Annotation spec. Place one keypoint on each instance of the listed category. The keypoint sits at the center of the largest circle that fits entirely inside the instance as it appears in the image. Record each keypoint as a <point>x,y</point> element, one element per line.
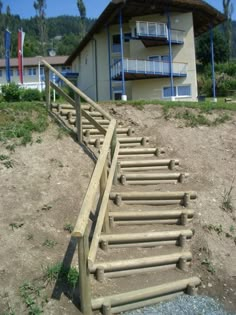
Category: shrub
<point>30,95</point>
<point>11,92</point>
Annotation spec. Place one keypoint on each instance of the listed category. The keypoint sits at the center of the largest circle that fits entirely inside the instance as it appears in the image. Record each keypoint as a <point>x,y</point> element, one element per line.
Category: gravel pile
<point>184,305</point>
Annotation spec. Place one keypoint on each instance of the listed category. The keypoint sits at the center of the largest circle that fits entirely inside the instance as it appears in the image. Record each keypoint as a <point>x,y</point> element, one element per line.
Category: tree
<point>8,10</point>
<point>228,11</point>
<point>82,12</point>
<point>40,8</point>
<point>203,48</point>
<point>1,6</point>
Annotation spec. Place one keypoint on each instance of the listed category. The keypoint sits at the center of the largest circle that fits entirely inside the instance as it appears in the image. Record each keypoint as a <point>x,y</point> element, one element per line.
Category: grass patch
<point>227,202</point>
<point>59,272</point>
<point>19,120</point>
<point>206,106</point>
<point>68,227</point>
<point>49,243</point>
<point>32,298</point>
<point>210,268</point>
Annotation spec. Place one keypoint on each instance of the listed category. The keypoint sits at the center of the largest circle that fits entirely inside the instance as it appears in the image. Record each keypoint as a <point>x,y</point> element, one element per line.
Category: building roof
<point>204,15</point>
<point>33,61</point>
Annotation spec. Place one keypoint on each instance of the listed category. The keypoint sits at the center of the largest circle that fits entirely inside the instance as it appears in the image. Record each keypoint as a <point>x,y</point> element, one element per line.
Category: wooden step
<point>153,198</point>
<point>147,164</point>
<point>119,131</point>
<point>180,216</point>
<point>151,178</point>
<point>146,237</point>
<point>147,296</point>
<point>123,141</point>
<point>127,267</point>
<point>139,152</point>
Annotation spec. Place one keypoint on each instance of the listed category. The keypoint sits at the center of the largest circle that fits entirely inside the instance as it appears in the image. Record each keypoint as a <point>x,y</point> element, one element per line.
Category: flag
<point>7,44</point>
<point>21,37</point>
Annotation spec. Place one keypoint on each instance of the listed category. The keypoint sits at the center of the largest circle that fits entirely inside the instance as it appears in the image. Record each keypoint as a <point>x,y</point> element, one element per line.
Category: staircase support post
<point>47,88</point>
<point>84,281</point>
<point>78,118</point>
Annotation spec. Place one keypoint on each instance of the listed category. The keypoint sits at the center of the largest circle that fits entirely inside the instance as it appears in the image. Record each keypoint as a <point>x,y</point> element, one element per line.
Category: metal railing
<point>151,67</point>
<point>158,30</point>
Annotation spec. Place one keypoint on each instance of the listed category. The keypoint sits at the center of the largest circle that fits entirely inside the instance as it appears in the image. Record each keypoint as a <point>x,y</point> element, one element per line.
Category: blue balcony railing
<point>148,67</point>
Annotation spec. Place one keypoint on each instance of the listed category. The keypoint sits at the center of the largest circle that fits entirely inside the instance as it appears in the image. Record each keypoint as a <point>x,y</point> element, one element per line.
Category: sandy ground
<point>45,188</point>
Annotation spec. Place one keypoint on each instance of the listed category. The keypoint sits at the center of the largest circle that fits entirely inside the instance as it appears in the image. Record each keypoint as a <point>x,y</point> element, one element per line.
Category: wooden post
<point>113,147</point>
<point>103,185</point>
<point>47,88</point>
<point>84,281</point>
<point>106,309</point>
<point>78,118</point>
<point>100,274</point>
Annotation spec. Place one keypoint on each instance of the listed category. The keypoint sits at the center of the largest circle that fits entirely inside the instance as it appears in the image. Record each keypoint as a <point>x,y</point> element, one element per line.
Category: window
<point>116,41</point>
<point>65,68</point>
<point>159,58</point>
<point>41,71</point>
<point>167,91</point>
<point>117,96</point>
<point>0,73</point>
<point>32,71</point>
<point>184,90</point>
<point>179,91</point>
<point>11,72</point>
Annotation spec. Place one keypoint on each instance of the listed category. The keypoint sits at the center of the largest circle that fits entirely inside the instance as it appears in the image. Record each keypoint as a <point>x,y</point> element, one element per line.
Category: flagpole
<point>7,43</point>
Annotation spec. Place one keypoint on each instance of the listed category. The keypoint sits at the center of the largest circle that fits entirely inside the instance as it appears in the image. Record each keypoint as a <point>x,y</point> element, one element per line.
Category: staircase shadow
<point>61,287</point>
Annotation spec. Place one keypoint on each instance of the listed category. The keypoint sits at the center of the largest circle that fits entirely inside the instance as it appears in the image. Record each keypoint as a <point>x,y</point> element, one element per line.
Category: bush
<point>11,92</point>
<point>30,95</point>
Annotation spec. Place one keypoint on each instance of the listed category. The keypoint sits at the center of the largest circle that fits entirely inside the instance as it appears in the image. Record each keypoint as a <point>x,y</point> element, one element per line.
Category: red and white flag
<point>21,37</point>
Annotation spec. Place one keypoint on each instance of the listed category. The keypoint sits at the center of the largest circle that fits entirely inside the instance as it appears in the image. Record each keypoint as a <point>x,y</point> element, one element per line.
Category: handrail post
<point>47,88</point>
<point>113,147</point>
<point>103,185</point>
<point>78,118</point>
<point>84,281</point>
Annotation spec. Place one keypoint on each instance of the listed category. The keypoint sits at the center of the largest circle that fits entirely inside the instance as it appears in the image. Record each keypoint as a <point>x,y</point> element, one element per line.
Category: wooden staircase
<point>134,226</point>
<point>149,235</point>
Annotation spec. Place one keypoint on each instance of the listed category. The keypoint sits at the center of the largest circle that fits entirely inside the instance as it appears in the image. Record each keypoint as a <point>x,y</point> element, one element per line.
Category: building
<point>143,50</point>
<point>33,70</point>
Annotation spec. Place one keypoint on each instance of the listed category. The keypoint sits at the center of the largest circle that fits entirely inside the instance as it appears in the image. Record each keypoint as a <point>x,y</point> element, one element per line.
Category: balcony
<point>155,34</point>
<point>135,69</point>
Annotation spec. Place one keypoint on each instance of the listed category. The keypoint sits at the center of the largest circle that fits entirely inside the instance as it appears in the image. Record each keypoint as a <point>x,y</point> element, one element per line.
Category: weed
<point>232,229</point>
<point>62,132</point>
<point>59,272</point>
<point>68,227</point>
<point>227,198</point>
<point>30,295</point>
<point>11,147</point>
<point>39,140</point>
<point>166,112</point>
<point>49,243</point>
<point>30,236</point>
<point>46,208</point>
<point>217,228</point>
<point>14,225</point>
<point>3,157</point>
<point>8,164</point>
<point>209,265</point>
<point>221,119</point>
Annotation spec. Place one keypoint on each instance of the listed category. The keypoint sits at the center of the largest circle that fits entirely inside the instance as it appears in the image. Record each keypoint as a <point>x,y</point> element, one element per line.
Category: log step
<point>151,178</point>
<point>126,238</point>
<point>119,131</point>
<point>59,107</point>
<point>153,214</point>
<point>139,152</point>
<point>134,165</point>
<point>138,263</point>
<point>122,140</point>
<point>71,113</point>
<point>153,198</point>
<point>139,298</point>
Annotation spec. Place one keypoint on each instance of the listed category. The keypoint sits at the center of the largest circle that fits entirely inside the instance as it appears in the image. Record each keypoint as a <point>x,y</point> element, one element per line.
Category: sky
<point>60,7</point>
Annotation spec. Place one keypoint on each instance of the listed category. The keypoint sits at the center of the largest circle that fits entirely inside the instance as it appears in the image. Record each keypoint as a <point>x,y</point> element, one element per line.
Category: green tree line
<point>63,33</point>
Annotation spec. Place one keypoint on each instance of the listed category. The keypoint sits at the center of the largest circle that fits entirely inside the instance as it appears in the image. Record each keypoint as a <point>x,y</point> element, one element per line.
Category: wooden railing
<point>97,195</point>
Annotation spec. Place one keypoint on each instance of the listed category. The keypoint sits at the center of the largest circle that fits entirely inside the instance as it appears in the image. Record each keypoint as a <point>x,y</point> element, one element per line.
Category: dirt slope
<point>45,188</point>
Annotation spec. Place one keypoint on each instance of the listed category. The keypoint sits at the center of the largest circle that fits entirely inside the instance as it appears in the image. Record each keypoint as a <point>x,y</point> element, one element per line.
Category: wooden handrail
<point>77,90</point>
<point>83,218</point>
<point>103,210</point>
